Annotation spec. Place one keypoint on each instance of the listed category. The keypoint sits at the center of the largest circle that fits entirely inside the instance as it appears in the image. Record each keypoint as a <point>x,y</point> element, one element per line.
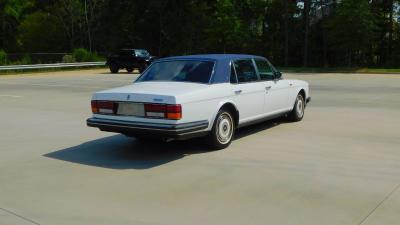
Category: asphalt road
<point>341,165</point>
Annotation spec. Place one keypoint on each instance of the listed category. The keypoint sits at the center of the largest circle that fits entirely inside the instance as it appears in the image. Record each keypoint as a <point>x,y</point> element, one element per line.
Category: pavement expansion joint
<point>379,204</point>
<point>19,216</point>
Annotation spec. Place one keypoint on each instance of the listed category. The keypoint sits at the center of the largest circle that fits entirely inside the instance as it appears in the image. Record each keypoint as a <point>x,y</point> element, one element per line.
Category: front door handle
<point>268,88</point>
<point>238,92</point>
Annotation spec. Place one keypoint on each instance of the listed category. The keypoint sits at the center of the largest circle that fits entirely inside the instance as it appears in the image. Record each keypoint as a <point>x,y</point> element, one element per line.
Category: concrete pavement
<point>341,165</point>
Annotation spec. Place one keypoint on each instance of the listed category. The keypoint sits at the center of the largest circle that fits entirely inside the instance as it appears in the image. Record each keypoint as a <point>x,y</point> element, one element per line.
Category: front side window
<point>245,71</point>
<point>265,70</point>
<point>179,71</point>
<point>142,53</point>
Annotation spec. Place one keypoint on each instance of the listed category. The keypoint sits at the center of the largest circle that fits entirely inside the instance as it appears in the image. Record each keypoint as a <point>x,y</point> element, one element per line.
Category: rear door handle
<point>238,92</point>
<point>268,88</point>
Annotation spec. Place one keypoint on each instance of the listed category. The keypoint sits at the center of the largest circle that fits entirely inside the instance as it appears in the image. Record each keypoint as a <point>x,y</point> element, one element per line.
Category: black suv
<point>129,59</point>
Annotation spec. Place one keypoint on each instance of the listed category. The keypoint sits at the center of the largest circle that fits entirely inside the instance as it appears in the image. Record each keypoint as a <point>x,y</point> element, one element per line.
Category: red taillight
<point>162,111</point>
<point>155,108</point>
<point>173,112</point>
<point>103,107</point>
<point>95,109</point>
<point>174,108</point>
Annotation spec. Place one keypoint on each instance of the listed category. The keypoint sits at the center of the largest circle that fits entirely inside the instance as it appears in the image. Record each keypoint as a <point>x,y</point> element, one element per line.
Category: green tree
<point>41,32</point>
<point>289,32</point>
<point>70,14</point>
<point>226,31</point>
<point>351,32</point>
<point>11,14</point>
<point>91,11</point>
<point>3,57</point>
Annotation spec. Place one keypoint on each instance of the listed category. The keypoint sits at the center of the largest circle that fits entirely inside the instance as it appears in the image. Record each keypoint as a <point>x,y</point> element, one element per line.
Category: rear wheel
<point>223,131</point>
<point>297,113</point>
<point>129,69</point>
<point>114,68</point>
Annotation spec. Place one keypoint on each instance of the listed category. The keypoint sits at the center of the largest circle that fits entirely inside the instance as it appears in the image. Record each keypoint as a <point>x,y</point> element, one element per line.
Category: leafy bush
<point>81,55</point>
<point>97,58</point>
<point>3,57</point>
<point>26,60</point>
<point>68,59</point>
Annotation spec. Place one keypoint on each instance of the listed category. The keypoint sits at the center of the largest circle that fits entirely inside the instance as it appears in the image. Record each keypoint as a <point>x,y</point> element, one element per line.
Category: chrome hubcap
<point>300,106</point>
<point>224,128</point>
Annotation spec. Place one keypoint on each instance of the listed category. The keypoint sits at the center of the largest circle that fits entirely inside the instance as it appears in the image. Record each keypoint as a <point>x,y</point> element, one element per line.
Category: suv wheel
<point>142,68</point>
<point>114,68</point>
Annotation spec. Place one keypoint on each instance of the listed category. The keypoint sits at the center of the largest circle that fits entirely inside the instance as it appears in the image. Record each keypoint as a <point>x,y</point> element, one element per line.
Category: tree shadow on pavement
<point>120,152</point>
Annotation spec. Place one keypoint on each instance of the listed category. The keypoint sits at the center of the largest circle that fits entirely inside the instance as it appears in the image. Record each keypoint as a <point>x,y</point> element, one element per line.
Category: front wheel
<point>223,131</point>
<point>142,68</point>
<point>297,113</point>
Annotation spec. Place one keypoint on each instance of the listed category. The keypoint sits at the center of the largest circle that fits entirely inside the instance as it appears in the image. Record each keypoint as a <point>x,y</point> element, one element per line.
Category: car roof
<point>222,68</point>
<point>132,49</point>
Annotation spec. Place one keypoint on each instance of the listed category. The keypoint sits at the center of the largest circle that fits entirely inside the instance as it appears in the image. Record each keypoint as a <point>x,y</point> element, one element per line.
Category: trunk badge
<point>128,97</point>
<point>158,100</point>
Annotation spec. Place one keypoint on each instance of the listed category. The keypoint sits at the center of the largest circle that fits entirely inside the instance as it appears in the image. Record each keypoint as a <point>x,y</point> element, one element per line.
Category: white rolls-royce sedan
<point>199,96</point>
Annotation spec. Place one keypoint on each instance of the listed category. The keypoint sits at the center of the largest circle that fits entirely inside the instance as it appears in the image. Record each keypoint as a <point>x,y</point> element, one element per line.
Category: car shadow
<point>256,128</point>
<point>120,152</point>
<point>121,72</point>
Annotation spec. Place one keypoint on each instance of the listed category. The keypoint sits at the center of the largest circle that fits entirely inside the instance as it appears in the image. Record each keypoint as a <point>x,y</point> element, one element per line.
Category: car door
<point>124,57</point>
<point>249,92</point>
<point>277,91</point>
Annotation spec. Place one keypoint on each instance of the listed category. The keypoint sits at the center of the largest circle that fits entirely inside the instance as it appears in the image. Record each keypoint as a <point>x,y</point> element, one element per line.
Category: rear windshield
<point>179,71</point>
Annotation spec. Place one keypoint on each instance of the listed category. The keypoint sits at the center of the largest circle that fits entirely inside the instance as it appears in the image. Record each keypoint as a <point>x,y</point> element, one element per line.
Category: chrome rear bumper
<point>176,131</point>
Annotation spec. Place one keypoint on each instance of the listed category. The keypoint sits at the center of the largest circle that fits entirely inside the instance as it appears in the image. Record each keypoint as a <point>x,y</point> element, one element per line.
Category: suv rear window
<point>179,71</point>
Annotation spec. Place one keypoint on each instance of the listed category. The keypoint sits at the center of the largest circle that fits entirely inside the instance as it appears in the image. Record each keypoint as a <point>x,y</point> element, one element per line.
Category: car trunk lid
<point>149,92</point>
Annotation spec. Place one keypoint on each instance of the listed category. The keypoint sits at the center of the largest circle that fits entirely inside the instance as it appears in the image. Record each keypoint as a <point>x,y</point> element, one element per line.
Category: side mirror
<point>278,75</point>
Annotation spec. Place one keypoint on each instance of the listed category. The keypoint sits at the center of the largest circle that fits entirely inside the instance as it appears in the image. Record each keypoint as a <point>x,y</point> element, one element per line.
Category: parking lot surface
<point>339,166</point>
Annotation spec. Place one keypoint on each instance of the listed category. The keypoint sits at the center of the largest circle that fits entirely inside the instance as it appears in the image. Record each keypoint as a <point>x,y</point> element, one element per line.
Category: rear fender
<point>220,105</point>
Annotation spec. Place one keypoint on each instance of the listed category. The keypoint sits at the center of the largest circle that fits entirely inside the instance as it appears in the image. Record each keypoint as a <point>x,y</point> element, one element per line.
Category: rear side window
<point>245,71</point>
<point>265,70</point>
<point>125,53</point>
